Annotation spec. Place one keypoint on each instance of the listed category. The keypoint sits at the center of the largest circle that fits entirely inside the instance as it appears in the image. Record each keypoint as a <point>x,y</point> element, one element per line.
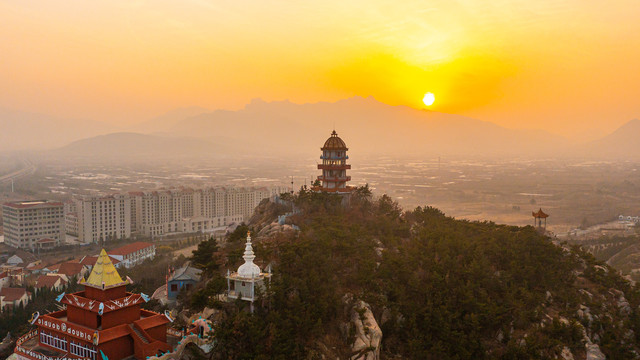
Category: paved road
<point>28,168</point>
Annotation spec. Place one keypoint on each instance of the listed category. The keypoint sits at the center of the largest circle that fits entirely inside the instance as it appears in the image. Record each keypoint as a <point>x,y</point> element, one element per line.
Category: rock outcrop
<point>594,353</point>
<point>368,335</point>
<point>272,229</point>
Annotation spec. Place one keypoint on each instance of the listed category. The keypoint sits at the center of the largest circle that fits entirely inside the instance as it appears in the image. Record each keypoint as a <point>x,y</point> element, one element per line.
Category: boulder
<point>623,305</point>
<point>566,354</point>
<point>367,333</point>
<point>594,353</point>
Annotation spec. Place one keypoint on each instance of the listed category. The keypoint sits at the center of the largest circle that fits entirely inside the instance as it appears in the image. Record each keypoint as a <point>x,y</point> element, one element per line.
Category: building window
<point>174,287</point>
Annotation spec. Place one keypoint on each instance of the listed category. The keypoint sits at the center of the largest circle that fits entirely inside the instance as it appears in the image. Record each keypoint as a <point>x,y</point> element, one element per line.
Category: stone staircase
<point>139,334</point>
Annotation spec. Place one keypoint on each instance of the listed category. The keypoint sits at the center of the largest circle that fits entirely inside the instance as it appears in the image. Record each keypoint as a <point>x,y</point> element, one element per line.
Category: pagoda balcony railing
<point>334,166</point>
<point>33,354</point>
<point>322,157</point>
<point>334,178</point>
<point>235,295</point>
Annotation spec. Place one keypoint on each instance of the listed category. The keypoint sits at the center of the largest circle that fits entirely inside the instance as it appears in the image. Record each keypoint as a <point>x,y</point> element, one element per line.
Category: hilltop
<point>621,143</point>
<point>376,279</point>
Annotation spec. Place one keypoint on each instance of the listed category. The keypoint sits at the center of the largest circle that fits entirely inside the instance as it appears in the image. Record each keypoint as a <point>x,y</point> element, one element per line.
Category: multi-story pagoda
<point>334,166</point>
<point>102,322</point>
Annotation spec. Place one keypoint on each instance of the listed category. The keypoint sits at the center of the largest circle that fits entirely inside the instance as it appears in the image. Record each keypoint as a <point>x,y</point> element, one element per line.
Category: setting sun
<point>428,99</point>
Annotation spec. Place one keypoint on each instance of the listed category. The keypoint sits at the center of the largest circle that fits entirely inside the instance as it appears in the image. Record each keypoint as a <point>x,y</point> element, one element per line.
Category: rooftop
<point>186,273</point>
<point>104,274</point>
<point>130,248</point>
<point>12,294</point>
<point>539,214</point>
<point>31,203</point>
<point>334,143</point>
<point>47,281</point>
<point>91,260</point>
<point>70,268</point>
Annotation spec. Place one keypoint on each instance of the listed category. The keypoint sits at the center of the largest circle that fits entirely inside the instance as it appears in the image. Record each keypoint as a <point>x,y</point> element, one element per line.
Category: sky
<point>569,67</point>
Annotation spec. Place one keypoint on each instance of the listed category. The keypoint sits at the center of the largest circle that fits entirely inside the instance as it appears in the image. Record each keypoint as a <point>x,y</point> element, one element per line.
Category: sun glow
<point>428,99</point>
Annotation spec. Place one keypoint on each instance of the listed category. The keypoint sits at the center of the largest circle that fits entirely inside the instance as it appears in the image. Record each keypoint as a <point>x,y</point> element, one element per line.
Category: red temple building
<point>334,166</point>
<point>102,322</point>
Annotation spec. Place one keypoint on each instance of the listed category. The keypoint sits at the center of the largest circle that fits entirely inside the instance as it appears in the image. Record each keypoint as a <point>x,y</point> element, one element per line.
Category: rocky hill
<point>372,281</point>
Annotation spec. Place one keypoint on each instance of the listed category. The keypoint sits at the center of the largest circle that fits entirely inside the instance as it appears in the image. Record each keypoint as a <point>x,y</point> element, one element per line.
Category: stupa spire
<point>249,256</point>
<point>248,269</point>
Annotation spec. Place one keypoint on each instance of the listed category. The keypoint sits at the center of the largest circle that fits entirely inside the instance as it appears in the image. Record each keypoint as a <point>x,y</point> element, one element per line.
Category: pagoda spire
<point>248,250</point>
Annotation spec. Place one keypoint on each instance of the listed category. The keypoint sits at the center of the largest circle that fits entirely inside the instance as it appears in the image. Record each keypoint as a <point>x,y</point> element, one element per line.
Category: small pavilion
<point>538,218</point>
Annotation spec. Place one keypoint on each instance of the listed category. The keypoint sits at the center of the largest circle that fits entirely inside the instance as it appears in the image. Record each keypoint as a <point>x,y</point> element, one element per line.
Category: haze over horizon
<point>567,67</point>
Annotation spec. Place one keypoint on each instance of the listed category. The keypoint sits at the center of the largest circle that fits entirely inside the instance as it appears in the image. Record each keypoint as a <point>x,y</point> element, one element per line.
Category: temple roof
<point>104,274</point>
<point>78,300</point>
<point>539,214</point>
<point>334,143</point>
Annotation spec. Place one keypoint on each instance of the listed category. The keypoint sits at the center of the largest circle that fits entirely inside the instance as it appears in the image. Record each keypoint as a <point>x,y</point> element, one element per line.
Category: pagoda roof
<point>334,143</point>
<point>539,214</point>
<point>104,274</point>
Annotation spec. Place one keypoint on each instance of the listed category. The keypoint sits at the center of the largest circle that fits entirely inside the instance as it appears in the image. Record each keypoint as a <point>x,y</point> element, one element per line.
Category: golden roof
<point>334,143</point>
<point>104,274</point>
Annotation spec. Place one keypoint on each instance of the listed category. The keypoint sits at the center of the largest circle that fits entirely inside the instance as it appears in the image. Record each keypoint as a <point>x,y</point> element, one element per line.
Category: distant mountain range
<point>367,125</point>
<point>283,128</point>
<point>136,146</point>
<point>164,122</point>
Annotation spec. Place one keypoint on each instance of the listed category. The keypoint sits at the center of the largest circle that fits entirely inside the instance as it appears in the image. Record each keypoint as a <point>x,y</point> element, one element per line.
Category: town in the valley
<point>81,256</point>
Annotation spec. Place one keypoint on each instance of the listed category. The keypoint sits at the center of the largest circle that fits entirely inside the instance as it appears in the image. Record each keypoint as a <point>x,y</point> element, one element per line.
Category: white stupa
<point>242,284</point>
<point>248,270</point>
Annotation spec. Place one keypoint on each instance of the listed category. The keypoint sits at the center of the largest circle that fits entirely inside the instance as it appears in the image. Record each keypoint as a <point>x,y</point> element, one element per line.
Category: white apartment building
<point>155,213</point>
<point>201,210</point>
<point>32,224</point>
<point>103,217</point>
<point>71,218</point>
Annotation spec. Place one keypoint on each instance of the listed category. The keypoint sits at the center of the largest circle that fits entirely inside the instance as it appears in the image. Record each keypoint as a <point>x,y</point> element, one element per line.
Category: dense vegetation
<point>440,288</point>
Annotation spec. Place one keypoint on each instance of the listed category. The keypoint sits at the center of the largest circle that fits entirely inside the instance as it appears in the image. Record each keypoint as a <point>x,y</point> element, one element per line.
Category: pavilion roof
<point>539,214</point>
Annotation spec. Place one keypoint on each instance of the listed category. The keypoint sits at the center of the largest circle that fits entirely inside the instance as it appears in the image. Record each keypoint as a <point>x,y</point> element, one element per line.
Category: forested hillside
<point>438,288</point>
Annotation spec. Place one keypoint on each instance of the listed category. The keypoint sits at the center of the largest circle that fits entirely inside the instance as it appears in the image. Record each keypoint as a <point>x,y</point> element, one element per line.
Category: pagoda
<point>102,322</point>
<point>334,166</point>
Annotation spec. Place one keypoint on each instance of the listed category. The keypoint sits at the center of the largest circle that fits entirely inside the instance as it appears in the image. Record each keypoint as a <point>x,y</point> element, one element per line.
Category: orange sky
<point>570,67</point>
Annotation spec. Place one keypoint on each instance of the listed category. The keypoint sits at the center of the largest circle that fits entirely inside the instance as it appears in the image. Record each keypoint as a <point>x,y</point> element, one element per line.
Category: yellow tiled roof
<point>104,272</point>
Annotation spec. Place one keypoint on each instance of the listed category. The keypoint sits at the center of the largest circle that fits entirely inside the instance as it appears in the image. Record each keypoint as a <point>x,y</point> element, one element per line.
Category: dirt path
<point>185,251</point>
